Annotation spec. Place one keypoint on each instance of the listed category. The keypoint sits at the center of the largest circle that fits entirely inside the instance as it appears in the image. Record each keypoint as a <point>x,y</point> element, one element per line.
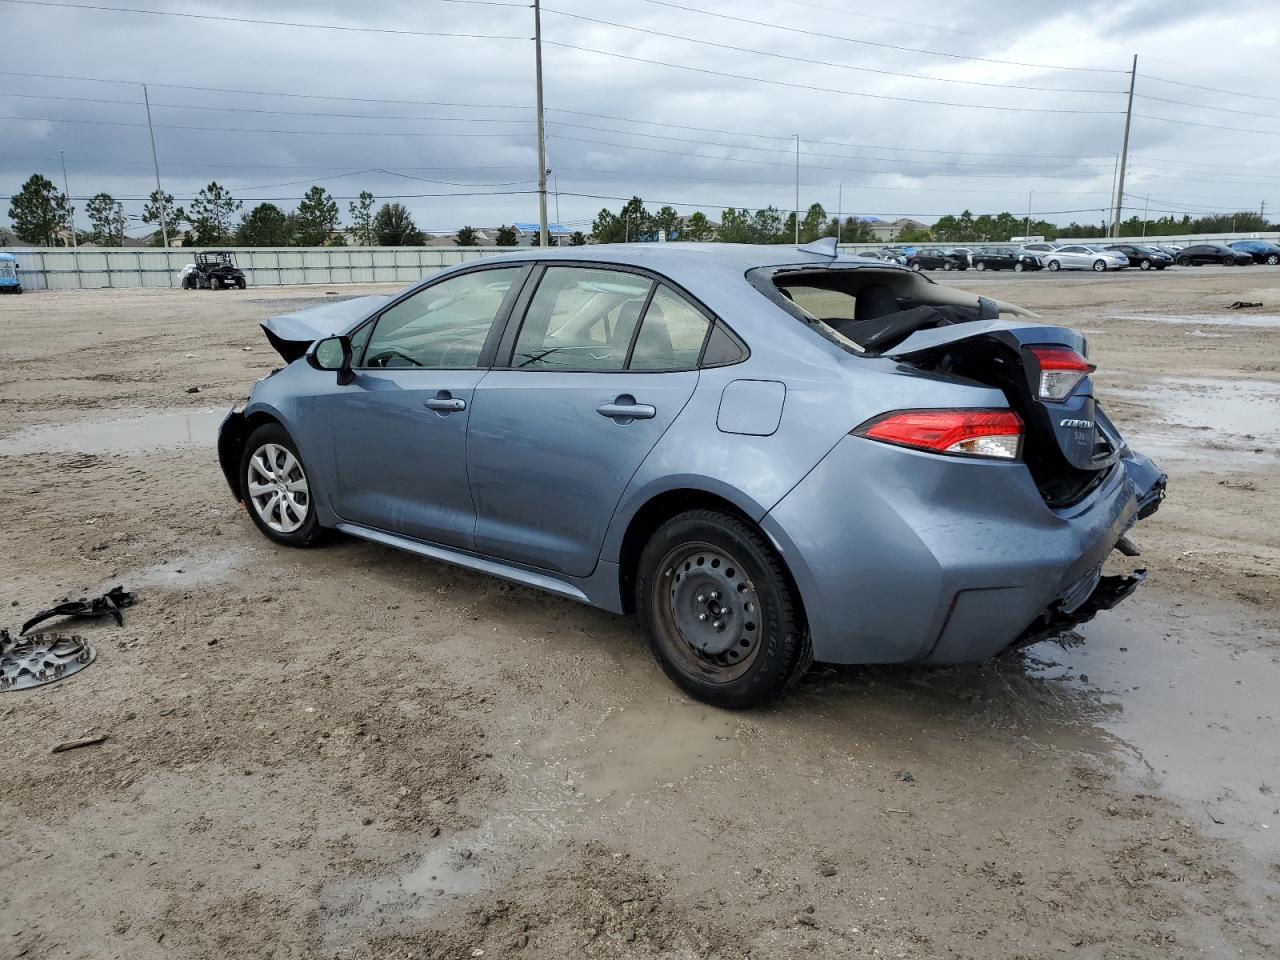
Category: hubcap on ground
<point>708,611</point>
<point>278,488</point>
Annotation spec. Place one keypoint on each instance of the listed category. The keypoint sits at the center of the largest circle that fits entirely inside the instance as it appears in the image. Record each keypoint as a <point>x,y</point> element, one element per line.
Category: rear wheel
<point>276,488</point>
<point>1144,265</point>
<point>1184,261</point>
<point>980,265</point>
<point>1228,261</point>
<point>720,612</point>
<point>1273,258</point>
<point>948,265</point>
<point>916,266</point>
<point>1018,267</point>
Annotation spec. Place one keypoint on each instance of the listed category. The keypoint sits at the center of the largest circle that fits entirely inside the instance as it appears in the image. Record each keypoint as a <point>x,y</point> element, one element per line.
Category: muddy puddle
<point>1241,319</point>
<point>1208,423</point>
<point>134,434</point>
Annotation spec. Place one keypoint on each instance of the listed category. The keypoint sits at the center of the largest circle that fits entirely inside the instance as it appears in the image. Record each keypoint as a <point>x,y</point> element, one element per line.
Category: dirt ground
<point>352,752</point>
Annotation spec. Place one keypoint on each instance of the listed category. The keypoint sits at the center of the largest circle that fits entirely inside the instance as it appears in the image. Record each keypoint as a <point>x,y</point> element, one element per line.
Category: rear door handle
<point>445,402</point>
<point>624,409</point>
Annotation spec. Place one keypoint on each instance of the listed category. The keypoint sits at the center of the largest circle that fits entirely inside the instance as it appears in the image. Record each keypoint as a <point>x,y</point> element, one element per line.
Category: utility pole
<point>555,182</point>
<point>1026,230</point>
<point>797,189</point>
<point>839,215</point>
<point>1146,206</point>
<point>1124,149</point>
<point>543,239</point>
<point>164,214</point>
<point>71,211</point>
<point>1106,220</point>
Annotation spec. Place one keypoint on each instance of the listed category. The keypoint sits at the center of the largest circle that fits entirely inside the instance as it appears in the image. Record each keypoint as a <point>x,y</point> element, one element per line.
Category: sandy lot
<point>351,752</point>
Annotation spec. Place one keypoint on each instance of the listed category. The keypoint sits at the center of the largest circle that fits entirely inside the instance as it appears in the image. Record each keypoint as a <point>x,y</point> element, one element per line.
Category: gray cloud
<point>893,157</point>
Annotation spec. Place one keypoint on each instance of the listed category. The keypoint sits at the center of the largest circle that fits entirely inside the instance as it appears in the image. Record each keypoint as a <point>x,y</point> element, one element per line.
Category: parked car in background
<point>1005,258</point>
<point>1144,258</point>
<point>965,252</point>
<point>1262,251</point>
<point>1171,249</point>
<point>1199,254</point>
<point>935,258</point>
<point>1079,256</point>
<point>1039,247</point>
<point>772,455</point>
<point>214,270</point>
<point>9,282</point>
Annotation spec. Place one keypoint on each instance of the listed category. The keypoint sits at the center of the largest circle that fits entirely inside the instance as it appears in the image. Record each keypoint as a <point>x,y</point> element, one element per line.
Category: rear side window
<point>671,335</point>
<point>581,318</point>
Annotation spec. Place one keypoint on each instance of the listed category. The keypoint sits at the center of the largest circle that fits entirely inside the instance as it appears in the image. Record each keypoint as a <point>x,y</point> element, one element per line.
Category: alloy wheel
<point>708,616</point>
<point>277,488</point>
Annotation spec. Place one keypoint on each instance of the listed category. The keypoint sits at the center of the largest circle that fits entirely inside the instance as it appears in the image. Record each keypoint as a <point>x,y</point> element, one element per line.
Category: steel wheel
<point>707,612</point>
<point>277,488</point>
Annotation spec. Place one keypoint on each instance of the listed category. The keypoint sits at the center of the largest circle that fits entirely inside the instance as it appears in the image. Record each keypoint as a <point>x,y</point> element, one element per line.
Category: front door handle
<point>624,409</point>
<point>445,402</point>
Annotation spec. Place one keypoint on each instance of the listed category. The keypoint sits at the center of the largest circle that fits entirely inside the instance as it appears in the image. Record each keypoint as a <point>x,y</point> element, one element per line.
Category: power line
<point>873,43</point>
<point>1207,126</point>
<point>283,23</point>
<point>815,62</point>
<point>317,133</point>
<point>818,89</point>
<point>1206,106</point>
<point>1198,86</point>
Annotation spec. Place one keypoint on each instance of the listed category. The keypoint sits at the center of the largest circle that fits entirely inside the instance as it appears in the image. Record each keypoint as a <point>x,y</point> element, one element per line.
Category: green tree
<point>316,219</point>
<point>362,217</point>
<point>106,217</point>
<point>577,239</point>
<point>393,226</point>
<point>856,231</point>
<point>697,228</point>
<point>735,226</point>
<point>667,222</point>
<point>211,214</point>
<point>467,237</point>
<point>337,239</point>
<point>607,227</point>
<point>637,222</point>
<point>507,237</point>
<point>162,203</point>
<point>814,223</point>
<point>39,211</point>
<point>914,235</point>
<point>266,225</point>
<point>767,226</point>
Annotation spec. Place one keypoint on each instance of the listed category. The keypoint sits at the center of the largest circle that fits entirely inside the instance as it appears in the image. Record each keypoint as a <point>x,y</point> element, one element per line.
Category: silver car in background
<point>1081,256</point>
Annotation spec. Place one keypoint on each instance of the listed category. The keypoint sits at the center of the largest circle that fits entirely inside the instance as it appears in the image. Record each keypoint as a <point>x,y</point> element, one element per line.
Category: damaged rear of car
<point>988,492</point>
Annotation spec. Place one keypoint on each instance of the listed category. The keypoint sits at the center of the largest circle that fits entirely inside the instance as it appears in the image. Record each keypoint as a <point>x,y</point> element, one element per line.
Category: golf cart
<point>214,270</point>
<point>9,282</point>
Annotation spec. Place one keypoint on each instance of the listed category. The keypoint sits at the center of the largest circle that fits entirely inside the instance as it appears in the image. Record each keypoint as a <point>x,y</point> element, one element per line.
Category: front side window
<point>443,326</point>
<point>581,318</point>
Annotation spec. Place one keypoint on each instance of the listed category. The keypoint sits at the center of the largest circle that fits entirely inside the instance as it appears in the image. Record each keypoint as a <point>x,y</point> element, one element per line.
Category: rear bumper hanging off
<point>1056,621</point>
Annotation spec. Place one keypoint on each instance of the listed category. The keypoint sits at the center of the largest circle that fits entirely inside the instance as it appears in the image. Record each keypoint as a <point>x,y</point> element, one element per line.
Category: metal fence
<point>44,268</point>
<point>96,267</point>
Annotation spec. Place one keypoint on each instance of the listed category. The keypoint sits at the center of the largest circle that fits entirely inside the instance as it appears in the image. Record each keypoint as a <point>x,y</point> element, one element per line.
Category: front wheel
<point>980,265</point>
<point>916,266</point>
<point>948,265</point>
<point>1228,261</point>
<point>1273,259</point>
<point>240,284</point>
<point>1055,265</point>
<point>1018,267</point>
<point>276,488</point>
<point>215,283</point>
<point>1099,266</point>
<point>1184,261</point>
<point>719,610</point>
<point>1144,265</point>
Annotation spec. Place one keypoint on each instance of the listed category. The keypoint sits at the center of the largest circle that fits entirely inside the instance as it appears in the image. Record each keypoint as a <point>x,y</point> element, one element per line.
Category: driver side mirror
<point>333,353</point>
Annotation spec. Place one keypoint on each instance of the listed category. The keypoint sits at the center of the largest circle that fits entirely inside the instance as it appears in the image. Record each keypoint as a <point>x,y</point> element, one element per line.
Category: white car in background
<point>1081,256</point>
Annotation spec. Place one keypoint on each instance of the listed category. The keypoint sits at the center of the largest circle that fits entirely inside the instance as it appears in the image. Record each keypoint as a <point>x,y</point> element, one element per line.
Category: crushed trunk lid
<point>292,333</point>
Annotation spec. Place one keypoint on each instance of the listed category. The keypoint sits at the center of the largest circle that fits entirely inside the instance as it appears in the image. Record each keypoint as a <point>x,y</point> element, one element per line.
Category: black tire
<point>1228,261</point>
<point>309,532</point>
<point>761,625</point>
<point>1145,264</point>
<point>240,284</point>
<point>1273,259</point>
<point>215,283</point>
<point>1018,267</point>
<point>1184,261</point>
<point>1054,265</point>
<point>916,266</point>
<point>980,265</point>
<point>948,265</point>
<point>1100,266</point>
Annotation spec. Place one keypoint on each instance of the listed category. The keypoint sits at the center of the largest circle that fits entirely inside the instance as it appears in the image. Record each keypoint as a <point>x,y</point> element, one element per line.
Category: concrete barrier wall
<point>95,267</point>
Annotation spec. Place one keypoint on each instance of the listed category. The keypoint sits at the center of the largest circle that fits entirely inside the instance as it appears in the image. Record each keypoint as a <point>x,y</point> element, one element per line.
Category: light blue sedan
<point>771,455</point>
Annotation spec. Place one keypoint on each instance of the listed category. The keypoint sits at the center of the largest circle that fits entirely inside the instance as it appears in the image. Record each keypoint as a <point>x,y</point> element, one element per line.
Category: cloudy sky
<point>917,110</point>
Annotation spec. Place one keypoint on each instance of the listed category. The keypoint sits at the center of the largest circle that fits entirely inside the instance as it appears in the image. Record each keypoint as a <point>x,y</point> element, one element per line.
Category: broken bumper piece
<point>1057,620</point>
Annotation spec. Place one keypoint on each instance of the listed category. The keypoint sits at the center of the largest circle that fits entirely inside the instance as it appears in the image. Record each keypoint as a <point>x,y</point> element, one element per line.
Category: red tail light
<point>995,434</point>
<point>1061,370</point>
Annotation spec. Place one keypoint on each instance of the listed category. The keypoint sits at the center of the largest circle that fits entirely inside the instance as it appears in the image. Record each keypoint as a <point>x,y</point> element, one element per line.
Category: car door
<point>1074,257</point>
<point>601,364</point>
<point>399,428</point>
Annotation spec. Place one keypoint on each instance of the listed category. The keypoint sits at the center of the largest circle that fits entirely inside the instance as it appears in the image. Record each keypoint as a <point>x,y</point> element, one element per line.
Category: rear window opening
<point>869,311</point>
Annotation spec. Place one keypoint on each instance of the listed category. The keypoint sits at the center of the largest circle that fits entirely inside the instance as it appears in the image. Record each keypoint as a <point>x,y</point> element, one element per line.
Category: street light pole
<point>797,189</point>
<point>164,214</point>
<point>839,215</point>
<point>543,239</point>
<point>1026,230</point>
<point>71,211</point>
<point>555,182</point>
